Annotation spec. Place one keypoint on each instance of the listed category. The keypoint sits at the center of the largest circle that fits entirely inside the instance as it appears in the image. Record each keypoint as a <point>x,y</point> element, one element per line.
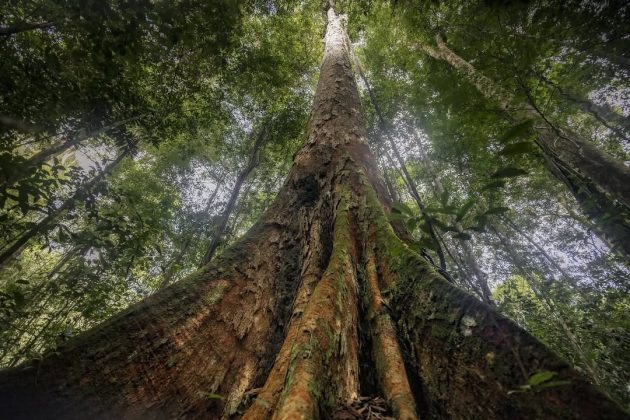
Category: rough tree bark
<point>319,303</point>
<point>590,174</point>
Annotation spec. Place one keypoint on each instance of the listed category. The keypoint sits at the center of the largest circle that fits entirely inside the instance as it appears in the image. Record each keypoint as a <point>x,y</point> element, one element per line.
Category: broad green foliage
<point>597,319</point>
<point>484,169</point>
<point>202,82</point>
<point>180,90</point>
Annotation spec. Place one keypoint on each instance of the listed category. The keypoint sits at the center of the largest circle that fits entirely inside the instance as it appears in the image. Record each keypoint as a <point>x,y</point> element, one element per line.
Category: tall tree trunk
<point>253,161</point>
<point>47,223</point>
<point>611,222</point>
<point>610,119</point>
<point>277,315</point>
<point>564,150</point>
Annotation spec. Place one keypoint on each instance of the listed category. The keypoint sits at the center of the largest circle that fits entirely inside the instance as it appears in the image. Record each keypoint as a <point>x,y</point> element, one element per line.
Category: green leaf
<point>63,236</point>
<point>493,185</point>
<point>508,172</point>
<point>23,202</point>
<point>482,220</point>
<point>425,227</point>
<point>403,208</point>
<point>465,208</point>
<point>539,381</point>
<point>397,216</point>
<point>497,210</point>
<point>518,148</point>
<point>519,130</point>
<point>441,210</point>
<point>521,389</point>
<point>211,396</point>
<point>19,298</point>
<point>540,377</point>
<point>425,243</point>
<point>552,384</point>
<point>443,226</point>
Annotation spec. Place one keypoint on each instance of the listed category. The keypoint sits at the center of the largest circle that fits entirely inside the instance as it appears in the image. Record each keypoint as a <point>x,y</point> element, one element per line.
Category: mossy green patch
<point>216,293</point>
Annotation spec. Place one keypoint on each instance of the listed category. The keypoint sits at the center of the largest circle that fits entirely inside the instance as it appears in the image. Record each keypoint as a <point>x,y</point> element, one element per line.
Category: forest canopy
<point>140,140</point>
